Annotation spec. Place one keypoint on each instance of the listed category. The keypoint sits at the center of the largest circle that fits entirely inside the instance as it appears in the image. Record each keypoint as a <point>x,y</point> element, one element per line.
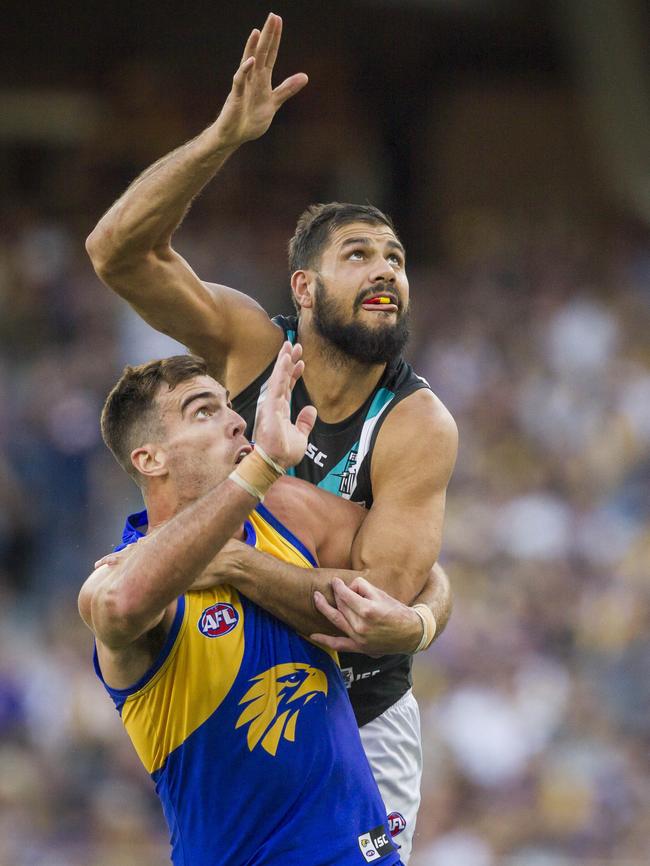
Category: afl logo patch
<point>218,619</point>
<point>396,823</point>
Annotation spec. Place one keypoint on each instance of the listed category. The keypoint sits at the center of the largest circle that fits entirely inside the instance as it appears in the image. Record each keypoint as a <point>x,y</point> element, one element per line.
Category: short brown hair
<point>315,225</point>
<point>129,415</point>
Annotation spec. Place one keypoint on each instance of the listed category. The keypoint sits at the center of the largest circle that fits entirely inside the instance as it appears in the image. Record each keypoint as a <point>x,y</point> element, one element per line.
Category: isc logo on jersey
<point>218,619</point>
<point>375,844</point>
<point>396,823</point>
<point>314,454</point>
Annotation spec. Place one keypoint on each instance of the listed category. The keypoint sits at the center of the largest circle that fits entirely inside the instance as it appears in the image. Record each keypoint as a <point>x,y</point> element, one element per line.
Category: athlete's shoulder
<point>420,434</point>
<point>246,394</point>
<point>425,414</point>
<point>313,515</point>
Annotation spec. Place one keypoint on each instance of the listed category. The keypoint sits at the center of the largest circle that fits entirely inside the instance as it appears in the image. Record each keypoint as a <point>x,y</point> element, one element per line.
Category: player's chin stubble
<point>370,345</point>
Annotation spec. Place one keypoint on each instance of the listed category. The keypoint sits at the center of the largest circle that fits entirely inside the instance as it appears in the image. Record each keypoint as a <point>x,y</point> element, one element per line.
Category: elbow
<point>119,262</point>
<point>402,584</point>
<point>101,250</point>
<point>112,249</point>
<point>120,615</point>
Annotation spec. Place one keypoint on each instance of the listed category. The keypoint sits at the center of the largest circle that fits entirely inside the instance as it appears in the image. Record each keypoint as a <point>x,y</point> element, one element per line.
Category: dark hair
<point>129,415</point>
<point>315,225</point>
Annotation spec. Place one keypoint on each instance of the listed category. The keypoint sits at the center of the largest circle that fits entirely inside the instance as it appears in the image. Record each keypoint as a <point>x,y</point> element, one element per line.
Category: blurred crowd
<point>535,701</point>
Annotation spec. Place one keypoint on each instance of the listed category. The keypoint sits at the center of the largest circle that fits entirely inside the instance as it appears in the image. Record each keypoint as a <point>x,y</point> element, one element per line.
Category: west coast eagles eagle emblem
<point>274,701</point>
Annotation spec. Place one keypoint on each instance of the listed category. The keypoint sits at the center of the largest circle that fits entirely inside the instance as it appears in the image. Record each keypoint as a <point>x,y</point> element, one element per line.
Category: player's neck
<point>160,509</point>
<point>337,384</point>
<point>165,503</point>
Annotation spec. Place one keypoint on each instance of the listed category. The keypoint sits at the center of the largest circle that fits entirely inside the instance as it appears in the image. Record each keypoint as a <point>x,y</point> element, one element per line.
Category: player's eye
<point>396,258</point>
<point>203,412</point>
<point>357,255</point>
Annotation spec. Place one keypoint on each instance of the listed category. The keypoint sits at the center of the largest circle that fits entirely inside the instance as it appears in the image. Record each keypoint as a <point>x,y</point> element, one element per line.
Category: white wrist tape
<point>256,473</point>
<point>428,626</point>
<point>269,460</point>
<point>241,482</point>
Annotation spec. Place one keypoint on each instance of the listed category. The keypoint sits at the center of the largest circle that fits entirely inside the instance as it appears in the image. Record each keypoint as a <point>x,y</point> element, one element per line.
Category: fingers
<point>342,616</point>
<point>338,644</point>
<point>306,419</point>
<point>109,559</point>
<point>274,43</point>
<point>298,370</point>
<point>288,369</point>
<point>289,87</point>
<point>364,588</point>
<point>296,352</point>
<point>239,78</point>
<point>281,375</point>
<point>251,45</point>
<point>269,40</point>
<point>115,556</point>
<point>348,597</point>
<point>260,52</point>
<point>331,613</point>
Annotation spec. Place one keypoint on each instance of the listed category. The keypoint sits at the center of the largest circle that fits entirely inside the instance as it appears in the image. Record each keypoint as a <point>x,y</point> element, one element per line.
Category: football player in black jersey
<point>351,291</point>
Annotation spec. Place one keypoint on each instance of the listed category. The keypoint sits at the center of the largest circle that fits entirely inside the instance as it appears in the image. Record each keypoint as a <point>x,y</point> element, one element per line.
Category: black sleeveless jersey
<point>338,459</point>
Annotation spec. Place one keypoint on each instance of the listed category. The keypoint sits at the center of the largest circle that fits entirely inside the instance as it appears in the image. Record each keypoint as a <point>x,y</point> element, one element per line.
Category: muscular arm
<point>325,524</point>
<point>412,461</point>
<point>399,541</point>
<point>283,589</point>
<point>121,603</point>
<point>436,594</point>
<point>131,250</point>
<point>305,599</point>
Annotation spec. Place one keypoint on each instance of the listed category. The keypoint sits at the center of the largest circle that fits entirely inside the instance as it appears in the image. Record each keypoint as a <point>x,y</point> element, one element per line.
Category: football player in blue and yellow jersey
<point>245,727</point>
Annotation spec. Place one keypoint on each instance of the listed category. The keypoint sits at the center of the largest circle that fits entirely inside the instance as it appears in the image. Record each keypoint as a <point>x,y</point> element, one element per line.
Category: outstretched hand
<point>283,441</point>
<point>253,102</point>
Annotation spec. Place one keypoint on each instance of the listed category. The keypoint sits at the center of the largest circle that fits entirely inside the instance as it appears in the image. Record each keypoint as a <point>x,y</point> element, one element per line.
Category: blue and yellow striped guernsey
<point>249,736</point>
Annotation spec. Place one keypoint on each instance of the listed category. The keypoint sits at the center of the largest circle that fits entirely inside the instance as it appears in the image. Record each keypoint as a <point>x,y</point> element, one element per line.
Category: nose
<point>383,272</point>
<point>238,425</point>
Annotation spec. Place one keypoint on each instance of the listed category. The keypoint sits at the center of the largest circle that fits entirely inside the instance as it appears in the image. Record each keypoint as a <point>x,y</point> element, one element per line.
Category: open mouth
<point>242,453</point>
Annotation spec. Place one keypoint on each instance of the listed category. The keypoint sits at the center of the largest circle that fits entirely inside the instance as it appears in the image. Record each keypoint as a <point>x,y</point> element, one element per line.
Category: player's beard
<point>370,345</point>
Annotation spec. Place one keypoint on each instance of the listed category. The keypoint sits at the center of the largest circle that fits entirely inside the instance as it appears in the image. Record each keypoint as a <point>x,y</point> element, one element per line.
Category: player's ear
<point>302,289</point>
<point>150,460</point>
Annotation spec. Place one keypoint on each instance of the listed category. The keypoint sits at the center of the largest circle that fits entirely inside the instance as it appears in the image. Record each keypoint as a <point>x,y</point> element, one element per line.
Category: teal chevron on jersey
<point>336,477</point>
<point>381,398</point>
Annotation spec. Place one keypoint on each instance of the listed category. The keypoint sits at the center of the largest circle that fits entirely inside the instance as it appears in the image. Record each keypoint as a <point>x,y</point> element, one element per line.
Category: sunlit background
<point>511,143</point>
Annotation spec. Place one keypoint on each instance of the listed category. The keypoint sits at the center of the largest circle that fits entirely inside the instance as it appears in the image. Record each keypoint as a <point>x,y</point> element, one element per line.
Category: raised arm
<point>131,249</point>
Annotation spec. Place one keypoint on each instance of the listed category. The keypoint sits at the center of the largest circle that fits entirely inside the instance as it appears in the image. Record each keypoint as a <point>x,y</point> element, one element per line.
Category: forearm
<point>144,218</point>
<point>164,564</point>
<point>436,595</point>
<point>286,591</point>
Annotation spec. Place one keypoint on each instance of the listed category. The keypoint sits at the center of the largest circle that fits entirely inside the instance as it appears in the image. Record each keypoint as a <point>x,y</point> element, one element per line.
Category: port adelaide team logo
<point>218,619</point>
